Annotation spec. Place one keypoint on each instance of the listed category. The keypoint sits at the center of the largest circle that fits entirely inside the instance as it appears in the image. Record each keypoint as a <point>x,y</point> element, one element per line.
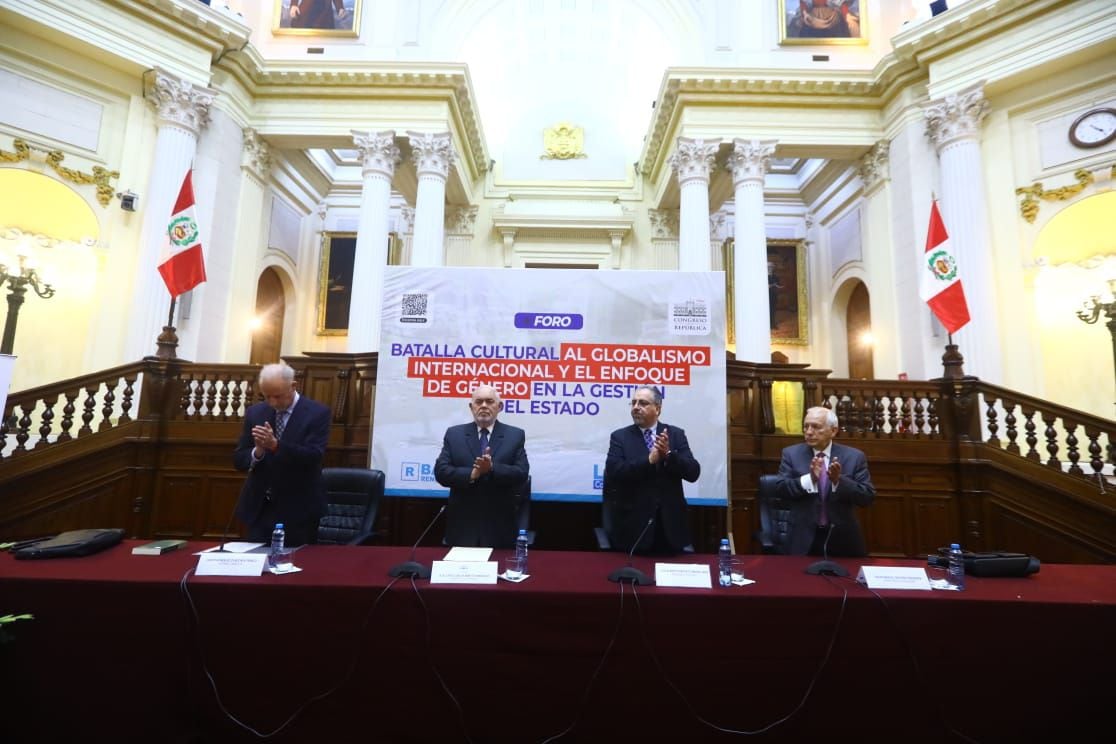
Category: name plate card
<point>230,564</point>
<point>692,575</point>
<point>463,572</point>
<point>893,577</point>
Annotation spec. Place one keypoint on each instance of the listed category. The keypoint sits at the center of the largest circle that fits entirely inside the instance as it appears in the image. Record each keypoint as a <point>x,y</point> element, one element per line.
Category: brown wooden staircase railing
<point>147,446</point>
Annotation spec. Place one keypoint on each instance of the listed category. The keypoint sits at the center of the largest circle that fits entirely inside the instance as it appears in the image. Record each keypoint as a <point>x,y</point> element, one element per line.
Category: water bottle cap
<point>523,532</point>
<point>278,525</point>
<point>724,541</point>
<point>954,546</point>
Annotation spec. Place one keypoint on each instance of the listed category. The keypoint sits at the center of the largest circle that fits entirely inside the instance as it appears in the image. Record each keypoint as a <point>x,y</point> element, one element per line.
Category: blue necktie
<point>281,422</point>
<point>649,438</point>
<point>483,440</point>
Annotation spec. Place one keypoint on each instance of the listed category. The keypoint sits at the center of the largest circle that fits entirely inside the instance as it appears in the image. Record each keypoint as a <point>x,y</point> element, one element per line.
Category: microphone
<point>228,526</point>
<point>826,566</point>
<point>629,572</point>
<point>412,568</point>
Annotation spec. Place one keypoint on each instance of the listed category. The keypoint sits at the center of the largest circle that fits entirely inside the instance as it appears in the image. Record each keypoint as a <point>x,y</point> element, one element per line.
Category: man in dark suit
<point>281,446</point>
<point>828,481</point>
<point>644,470</point>
<point>484,465</point>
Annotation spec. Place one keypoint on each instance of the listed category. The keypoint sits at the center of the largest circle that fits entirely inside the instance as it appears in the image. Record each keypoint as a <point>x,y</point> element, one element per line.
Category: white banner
<point>566,349</point>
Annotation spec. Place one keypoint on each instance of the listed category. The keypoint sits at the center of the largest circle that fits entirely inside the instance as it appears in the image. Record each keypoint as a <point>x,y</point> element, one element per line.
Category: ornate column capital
<point>874,167</point>
<point>956,117</point>
<point>693,159</point>
<point>460,220</point>
<point>177,102</point>
<point>378,152</point>
<point>406,224</point>
<point>750,159</point>
<point>432,153</point>
<point>664,223</point>
<point>720,225</point>
<point>255,155</point>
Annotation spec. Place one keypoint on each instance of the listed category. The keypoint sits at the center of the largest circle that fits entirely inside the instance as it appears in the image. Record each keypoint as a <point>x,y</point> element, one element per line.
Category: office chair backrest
<point>603,532</point>
<point>777,517</point>
<point>352,501</point>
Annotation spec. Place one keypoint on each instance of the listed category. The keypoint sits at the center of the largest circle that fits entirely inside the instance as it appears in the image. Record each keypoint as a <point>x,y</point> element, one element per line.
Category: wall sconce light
<point>129,200</point>
<point>1091,309</point>
<point>18,279</point>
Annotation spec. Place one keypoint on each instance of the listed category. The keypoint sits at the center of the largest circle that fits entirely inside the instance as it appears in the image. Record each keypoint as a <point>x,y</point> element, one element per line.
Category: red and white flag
<point>940,284</point>
<point>182,265</point>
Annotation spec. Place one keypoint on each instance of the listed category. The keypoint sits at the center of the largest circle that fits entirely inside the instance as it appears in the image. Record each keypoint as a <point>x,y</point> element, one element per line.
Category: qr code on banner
<point>414,308</point>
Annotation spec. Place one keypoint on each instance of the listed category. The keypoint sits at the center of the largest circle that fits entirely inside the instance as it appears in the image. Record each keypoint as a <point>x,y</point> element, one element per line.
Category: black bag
<point>989,564</point>
<point>70,544</point>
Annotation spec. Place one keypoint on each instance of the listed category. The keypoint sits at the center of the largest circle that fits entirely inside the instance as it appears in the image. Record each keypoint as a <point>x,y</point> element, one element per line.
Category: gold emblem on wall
<point>563,141</point>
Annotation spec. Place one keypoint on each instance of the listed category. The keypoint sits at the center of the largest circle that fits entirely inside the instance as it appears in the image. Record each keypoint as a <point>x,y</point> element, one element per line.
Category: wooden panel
<point>883,524</point>
<point>174,512</point>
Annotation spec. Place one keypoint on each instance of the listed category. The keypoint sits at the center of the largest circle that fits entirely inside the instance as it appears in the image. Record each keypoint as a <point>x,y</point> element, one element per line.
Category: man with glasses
<point>644,470</point>
<point>484,464</point>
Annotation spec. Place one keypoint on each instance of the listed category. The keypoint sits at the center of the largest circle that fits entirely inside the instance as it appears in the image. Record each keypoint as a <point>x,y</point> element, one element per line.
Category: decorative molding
<point>956,117</point>
<point>177,102</point>
<point>378,153</point>
<point>432,153</point>
<point>15,235</point>
<point>750,159</point>
<point>255,156</point>
<point>664,223</point>
<point>720,226</point>
<point>460,220</point>
<point>875,166</point>
<point>322,209</point>
<point>1092,262</point>
<point>406,224</point>
<point>1029,205</point>
<point>693,159</point>
<point>563,141</point>
<point>100,177</point>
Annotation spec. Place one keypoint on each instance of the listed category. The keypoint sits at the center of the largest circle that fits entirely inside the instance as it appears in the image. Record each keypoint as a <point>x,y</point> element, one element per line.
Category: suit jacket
<point>637,490</point>
<point>854,488</point>
<point>285,486</point>
<point>482,513</point>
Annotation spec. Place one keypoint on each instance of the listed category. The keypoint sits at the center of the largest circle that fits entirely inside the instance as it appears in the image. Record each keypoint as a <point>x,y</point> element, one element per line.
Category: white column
<point>749,161</point>
<point>692,161</point>
<point>183,111</point>
<point>379,156</point>
<point>953,124</point>
<point>433,155</point>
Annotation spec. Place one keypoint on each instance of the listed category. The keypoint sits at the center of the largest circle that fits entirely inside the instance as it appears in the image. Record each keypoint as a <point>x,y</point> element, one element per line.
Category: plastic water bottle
<point>521,551</point>
<point>277,539</point>
<point>956,572</point>
<point>724,563</point>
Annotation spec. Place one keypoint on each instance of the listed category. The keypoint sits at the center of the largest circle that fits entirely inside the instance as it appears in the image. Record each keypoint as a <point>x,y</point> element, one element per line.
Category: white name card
<point>893,577</point>
<point>463,572</point>
<point>694,575</point>
<point>230,564</point>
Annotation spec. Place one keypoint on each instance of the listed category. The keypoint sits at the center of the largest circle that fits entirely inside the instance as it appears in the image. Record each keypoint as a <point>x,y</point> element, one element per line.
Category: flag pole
<point>167,342</point>
<point>174,300</point>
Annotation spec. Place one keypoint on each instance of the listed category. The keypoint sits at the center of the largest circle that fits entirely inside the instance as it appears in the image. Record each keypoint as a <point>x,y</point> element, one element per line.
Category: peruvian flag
<point>940,285</point>
<point>183,266</point>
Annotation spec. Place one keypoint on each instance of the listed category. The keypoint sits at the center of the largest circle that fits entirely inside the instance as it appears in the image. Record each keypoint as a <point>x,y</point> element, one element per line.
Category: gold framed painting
<point>822,22</point>
<point>317,17</point>
<point>335,279</point>
<point>786,291</point>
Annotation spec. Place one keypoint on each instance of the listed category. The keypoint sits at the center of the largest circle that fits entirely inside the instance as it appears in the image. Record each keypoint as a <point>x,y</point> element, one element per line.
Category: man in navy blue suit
<point>282,446</point>
<point>827,481</point>
<point>484,464</point>
<point>644,470</point>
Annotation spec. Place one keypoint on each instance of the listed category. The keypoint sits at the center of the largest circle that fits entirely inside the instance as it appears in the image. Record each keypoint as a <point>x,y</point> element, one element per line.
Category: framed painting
<point>335,279</point>
<point>317,17</point>
<point>821,22</point>
<point>786,291</point>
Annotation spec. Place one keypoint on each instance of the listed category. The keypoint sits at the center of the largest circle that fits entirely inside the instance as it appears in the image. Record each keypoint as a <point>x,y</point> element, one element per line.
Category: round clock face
<point>1094,128</point>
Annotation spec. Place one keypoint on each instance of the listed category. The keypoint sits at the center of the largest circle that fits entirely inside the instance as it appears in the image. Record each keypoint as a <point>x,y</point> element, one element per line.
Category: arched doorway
<point>271,306</point>
<point>858,329</point>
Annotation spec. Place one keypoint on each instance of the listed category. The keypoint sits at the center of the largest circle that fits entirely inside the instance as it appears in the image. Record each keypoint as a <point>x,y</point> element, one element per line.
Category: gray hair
<point>830,415</point>
<point>656,396</point>
<point>278,371</point>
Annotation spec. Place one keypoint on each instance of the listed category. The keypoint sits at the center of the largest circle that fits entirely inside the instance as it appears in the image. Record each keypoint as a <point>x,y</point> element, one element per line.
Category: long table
<point>118,651</point>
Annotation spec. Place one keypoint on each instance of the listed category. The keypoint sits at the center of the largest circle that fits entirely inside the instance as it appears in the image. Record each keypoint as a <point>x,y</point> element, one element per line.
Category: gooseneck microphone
<point>412,568</point>
<point>629,572</point>
<point>826,566</point>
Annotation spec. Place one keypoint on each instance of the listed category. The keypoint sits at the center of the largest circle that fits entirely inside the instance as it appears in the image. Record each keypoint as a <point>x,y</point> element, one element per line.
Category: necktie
<point>280,423</point>
<point>823,491</point>
<point>483,440</point>
<point>649,438</point>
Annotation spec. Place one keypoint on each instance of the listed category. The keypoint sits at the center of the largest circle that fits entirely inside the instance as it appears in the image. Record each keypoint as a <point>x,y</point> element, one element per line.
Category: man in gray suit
<point>828,481</point>
<point>484,464</point>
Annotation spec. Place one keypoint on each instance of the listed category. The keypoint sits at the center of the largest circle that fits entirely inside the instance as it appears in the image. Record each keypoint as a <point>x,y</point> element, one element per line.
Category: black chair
<point>603,532</point>
<point>352,501</point>
<point>777,517</point>
<point>523,510</point>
